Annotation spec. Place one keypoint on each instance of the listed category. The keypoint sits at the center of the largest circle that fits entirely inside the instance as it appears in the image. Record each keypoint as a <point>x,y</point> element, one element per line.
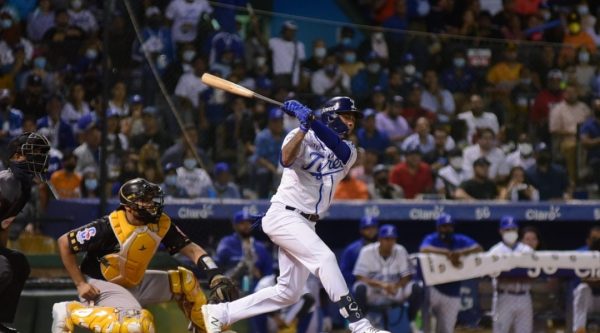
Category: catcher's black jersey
<point>97,239</point>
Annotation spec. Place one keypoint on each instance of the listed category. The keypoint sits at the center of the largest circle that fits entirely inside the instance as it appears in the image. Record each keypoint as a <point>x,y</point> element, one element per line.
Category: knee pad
<point>137,322</point>
<point>188,294</point>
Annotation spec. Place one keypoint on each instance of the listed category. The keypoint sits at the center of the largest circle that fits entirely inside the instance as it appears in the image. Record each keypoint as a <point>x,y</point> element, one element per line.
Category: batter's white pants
<point>301,252</point>
<point>583,302</point>
<point>445,309</point>
<point>512,311</point>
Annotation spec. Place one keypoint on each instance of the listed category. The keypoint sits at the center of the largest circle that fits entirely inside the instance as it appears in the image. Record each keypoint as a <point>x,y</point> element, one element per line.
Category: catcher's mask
<point>35,147</point>
<point>146,199</point>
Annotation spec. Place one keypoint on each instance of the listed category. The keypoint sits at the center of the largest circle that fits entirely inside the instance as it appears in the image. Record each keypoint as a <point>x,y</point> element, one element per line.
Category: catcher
<point>113,282</point>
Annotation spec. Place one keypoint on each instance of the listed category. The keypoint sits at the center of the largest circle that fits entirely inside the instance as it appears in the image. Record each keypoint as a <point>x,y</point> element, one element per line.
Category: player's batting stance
<point>28,158</point>
<point>316,158</point>
<point>113,274</point>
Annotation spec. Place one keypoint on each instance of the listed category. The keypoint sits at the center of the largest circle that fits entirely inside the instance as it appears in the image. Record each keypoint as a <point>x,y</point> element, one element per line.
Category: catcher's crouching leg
<point>188,294</point>
<point>101,319</point>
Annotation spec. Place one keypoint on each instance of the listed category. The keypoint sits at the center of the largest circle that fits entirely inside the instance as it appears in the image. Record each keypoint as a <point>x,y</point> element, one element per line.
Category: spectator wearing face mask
<point>381,188</point>
<point>194,180</point>
<point>349,62</point>
<point>224,187</point>
<point>574,39</point>
<point>330,80</point>
<point>90,187</point>
<point>521,157</point>
<point>451,176</point>
<point>169,186</point>
<point>364,82</point>
<point>317,60</point>
<point>583,72</point>
<point>66,182</point>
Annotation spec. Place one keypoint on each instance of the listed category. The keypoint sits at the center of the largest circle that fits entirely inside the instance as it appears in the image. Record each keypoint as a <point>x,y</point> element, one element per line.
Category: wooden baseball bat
<point>220,83</point>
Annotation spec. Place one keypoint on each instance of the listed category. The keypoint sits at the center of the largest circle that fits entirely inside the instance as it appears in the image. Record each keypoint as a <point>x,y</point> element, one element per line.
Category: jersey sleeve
<point>175,239</point>
<point>353,156</point>
<point>287,139</point>
<point>465,242</point>
<point>89,237</point>
<point>362,264</point>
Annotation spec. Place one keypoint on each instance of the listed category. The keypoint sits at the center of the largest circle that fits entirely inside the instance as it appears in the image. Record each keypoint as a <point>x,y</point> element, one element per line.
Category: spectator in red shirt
<point>413,175</point>
<point>544,101</point>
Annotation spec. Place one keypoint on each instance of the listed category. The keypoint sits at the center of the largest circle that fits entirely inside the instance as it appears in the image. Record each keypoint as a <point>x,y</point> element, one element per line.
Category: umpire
<point>28,158</point>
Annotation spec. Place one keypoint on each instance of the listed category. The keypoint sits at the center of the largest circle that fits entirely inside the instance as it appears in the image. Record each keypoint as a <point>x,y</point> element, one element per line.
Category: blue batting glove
<point>301,112</point>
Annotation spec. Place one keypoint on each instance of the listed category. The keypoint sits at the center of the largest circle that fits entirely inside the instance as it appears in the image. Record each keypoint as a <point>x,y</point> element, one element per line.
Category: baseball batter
<point>316,157</point>
<point>512,301</point>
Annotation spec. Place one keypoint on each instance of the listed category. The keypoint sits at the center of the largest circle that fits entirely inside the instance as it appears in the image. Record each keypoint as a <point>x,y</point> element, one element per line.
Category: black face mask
<point>21,170</point>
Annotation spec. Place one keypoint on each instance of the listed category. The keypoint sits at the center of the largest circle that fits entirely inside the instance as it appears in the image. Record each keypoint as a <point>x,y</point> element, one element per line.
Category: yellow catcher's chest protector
<point>138,245</point>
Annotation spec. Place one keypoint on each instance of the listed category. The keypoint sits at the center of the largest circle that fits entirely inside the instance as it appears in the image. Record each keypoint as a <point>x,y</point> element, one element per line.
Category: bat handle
<point>267,99</point>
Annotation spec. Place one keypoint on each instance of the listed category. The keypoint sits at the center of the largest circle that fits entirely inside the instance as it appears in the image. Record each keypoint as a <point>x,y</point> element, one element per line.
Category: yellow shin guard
<point>190,297</point>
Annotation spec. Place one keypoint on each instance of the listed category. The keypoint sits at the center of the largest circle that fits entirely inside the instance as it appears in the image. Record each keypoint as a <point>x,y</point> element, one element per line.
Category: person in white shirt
<point>189,85</point>
<point>485,147</point>
<point>81,17</point>
<point>184,15</point>
<point>391,123</point>
<point>512,299</point>
<point>452,175</point>
<point>330,80</point>
<point>423,138</point>
<point>477,119</point>
<point>521,157</point>
<point>437,99</point>
<point>384,275</point>
<point>195,181</point>
<point>287,54</point>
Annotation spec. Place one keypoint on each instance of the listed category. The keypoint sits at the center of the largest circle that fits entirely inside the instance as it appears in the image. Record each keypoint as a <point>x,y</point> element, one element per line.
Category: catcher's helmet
<point>146,199</point>
<point>335,106</point>
<point>35,147</point>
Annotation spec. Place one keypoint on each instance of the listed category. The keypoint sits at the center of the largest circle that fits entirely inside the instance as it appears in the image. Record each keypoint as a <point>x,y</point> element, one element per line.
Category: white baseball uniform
<point>372,265</point>
<point>307,187</point>
<point>512,300</point>
<point>584,301</point>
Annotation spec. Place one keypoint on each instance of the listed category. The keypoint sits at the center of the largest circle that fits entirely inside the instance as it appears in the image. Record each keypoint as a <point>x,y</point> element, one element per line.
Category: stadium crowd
<point>459,107</point>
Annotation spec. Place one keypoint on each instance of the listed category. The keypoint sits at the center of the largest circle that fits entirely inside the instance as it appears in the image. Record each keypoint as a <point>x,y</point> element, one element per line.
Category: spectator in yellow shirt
<point>66,181</point>
<point>504,75</point>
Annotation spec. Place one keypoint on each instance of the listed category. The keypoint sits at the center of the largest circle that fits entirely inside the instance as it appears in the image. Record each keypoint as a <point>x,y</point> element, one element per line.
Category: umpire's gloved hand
<point>301,112</point>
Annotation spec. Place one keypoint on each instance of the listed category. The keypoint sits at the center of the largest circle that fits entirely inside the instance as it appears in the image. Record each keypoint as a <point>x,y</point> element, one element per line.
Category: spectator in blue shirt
<point>549,178</point>
<point>268,145</point>
<point>245,259</point>
<point>60,132</point>
<point>225,188</point>
<point>368,235</point>
<point>590,139</point>
<point>444,299</point>
<point>369,137</point>
<point>11,120</point>
<point>459,78</point>
<point>366,79</point>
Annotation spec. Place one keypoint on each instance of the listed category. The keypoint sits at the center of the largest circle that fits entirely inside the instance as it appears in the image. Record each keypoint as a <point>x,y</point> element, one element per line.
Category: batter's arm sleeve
<point>332,141</point>
<point>175,239</point>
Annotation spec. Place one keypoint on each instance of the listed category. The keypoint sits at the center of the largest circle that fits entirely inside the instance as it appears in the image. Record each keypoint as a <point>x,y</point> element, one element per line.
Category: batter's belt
<point>310,217</point>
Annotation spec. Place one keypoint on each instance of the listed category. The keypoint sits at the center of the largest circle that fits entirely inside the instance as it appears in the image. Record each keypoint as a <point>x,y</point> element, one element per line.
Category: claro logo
<point>551,214</point>
<point>195,213</point>
<point>425,214</point>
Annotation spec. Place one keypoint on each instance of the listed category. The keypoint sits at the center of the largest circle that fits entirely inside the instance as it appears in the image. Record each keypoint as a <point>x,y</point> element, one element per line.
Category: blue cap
<point>444,219</point>
<point>369,112</point>
<point>388,231</point>
<point>275,113</point>
<point>221,167</point>
<point>136,99</point>
<point>111,112</point>
<point>368,221</point>
<point>86,121</point>
<point>241,216</point>
<point>508,222</point>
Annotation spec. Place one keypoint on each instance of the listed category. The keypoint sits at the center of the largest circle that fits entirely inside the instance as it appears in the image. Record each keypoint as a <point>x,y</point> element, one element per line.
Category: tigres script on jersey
<point>310,182</point>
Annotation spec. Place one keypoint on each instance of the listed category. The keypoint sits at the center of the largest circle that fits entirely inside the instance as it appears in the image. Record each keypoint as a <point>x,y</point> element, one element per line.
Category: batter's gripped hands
<point>301,112</point>
<point>88,291</point>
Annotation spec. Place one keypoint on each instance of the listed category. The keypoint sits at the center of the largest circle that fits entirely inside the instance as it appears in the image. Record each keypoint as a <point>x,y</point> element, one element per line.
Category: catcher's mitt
<point>222,289</point>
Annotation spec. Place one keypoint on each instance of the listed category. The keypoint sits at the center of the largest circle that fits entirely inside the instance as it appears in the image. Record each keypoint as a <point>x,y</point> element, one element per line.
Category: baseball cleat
<point>211,322</point>
<point>364,326</point>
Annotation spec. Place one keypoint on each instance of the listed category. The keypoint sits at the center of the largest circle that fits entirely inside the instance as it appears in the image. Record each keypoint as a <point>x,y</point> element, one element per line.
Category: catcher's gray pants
<point>514,311</point>
<point>584,301</point>
<point>154,288</point>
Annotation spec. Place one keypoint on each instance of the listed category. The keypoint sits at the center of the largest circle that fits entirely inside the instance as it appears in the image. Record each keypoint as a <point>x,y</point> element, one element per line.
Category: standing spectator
<point>11,120</point>
<point>60,134</point>
<point>477,118</point>
<point>330,80</point>
<point>369,137</point>
<point>480,187</point>
<point>381,188</point>
<point>585,299</point>
<point>184,16</point>
<point>391,122</point>
<point>40,20</point>
<point>384,276</point>
<point>485,147</point>
<point>189,85</point>
<point>242,256</point>
<point>88,152</point>
<point>82,17</point>
<point>153,132</point>
<point>413,175</point>
<point>451,176</point>
<point>437,99</point>
<point>195,181</point>
<point>544,102</point>
<point>517,189</point>
<point>512,306</point>
<point>268,144</point>
<point>287,53</point>
<point>66,182</point>
<point>76,105</point>
<point>170,186</point>
<point>573,40</point>
<point>549,178</point>
<point>565,117</point>
<point>589,135</point>
<point>224,187</point>
<point>368,227</point>
<point>395,41</point>
<point>444,299</point>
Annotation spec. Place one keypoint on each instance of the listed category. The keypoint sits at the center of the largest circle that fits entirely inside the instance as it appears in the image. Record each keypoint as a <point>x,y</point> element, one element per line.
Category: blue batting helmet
<point>335,106</point>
